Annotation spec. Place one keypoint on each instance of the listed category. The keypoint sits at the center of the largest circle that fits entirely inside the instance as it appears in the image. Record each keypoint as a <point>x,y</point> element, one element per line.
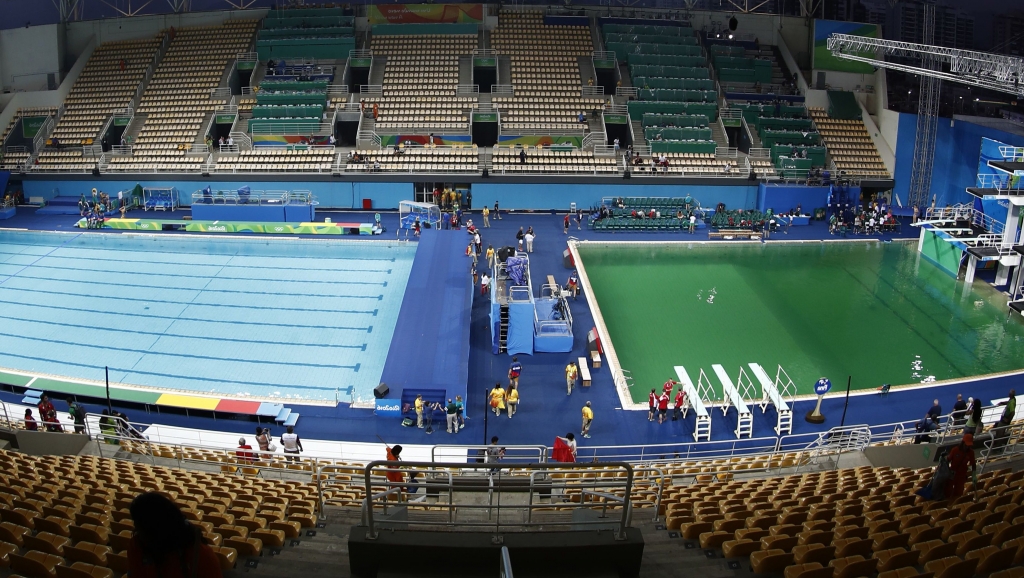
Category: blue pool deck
<point>294,320</point>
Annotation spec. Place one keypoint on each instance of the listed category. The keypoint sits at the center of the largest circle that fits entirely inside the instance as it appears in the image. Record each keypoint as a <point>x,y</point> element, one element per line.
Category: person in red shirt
<point>680,401</point>
<point>393,474</point>
<point>30,422</point>
<point>662,407</point>
<point>245,456</point>
<point>165,544</point>
<point>48,414</point>
<point>667,387</point>
<point>652,402</point>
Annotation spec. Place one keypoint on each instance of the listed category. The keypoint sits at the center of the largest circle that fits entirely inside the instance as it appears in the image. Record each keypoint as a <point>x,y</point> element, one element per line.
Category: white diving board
<point>703,428</point>
<point>770,394</point>
<point>731,397</point>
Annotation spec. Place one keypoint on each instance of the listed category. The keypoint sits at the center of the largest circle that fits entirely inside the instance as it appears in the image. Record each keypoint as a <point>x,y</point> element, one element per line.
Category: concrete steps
<point>718,133</point>
<point>639,140</point>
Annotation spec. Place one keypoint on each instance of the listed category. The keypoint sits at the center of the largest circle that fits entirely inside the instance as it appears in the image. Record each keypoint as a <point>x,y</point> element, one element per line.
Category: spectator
<point>393,475</point>
<point>30,422</point>
<point>108,429</point>
<point>960,458</point>
<point>165,544</point>
<point>935,411</point>
<point>292,444</point>
<point>581,117</point>
<point>48,415</point>
<point>452,416</point>
<point>1011,409</point>
<point>244,452</point>
<point>497,213</point>
<point>652,404</point>
<point>529,237</point>
<point>568,453</point>
<point>520,235</point>
<point>485,283</point>
<point>485,212</point>
<point>77,415</point>
<point>590,81</point>
<point>494,453</point>
<point>264,439</point>
<point>573,286</point>
<point>973,425</point>
<point>693,223</point>
<point>522,161</point>
<point>588,418</point>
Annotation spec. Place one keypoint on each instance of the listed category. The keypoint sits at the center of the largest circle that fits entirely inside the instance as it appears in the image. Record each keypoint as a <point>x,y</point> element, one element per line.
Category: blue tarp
<point>517,269</point>
<point>520,328</point>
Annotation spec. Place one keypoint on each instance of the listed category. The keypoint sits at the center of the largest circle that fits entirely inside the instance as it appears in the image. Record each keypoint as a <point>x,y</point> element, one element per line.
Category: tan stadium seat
<point>13,533</point>
<point>935,550</point>
<point>923,533</point>
<point>83,570</point>
<point>814,553</point>
<point>227,556</point>
<point>740,548</point>
<point>87,552</point>
<point>1015,572</point>
<point>952,567</point>
<point>47,543</point>
<point>846,547</point>
<point>6,549</point>
<point>991,559</point>
<point>245,546</point>
<point>896,558</point>
<point>854,566</point>
<point>770,561</point>
<point>809,570</point>
<point>36,564</point>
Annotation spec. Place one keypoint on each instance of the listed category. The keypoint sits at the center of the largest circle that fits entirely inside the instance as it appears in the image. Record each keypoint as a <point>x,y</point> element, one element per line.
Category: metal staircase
<point>503,329</point>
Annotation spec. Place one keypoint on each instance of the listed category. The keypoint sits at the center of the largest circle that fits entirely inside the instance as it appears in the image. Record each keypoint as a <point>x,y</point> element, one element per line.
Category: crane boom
<point>982,69</point>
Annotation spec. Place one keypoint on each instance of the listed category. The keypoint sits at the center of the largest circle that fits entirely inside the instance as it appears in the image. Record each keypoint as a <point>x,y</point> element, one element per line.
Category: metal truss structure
<point>981,69</point>
<point>927,120</point>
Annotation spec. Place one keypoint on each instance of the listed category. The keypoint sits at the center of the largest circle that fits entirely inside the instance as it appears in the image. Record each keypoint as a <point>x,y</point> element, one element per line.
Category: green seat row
<point>676,95</point>
<point>279,111</point>
<point>637,108</point>
<point>674,83</point>
<point>650,39</point>
<point>785,123</point>
<point>268,84</point>
<point>726,50</point>
<point>652,133</point>
<point>307,12</point>
<point>815,153</point>
<point>301,125</point>
<point>657,70</point>
<point>681,120</point>
<point>770,138</point>
<point>327,47</point>
<point>666,59</point>
<point>683,147</point>
<point>290,98</point>
<point>647,29</point>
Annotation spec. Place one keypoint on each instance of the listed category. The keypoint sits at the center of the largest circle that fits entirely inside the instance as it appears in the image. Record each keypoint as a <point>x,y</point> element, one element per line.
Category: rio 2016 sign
<point>822,386</point>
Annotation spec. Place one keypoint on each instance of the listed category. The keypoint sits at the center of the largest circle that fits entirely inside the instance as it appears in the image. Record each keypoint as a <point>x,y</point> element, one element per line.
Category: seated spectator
<point>165,544</point>
<point>581,117</point>
<point>245,456</point>
<point>30,422</point>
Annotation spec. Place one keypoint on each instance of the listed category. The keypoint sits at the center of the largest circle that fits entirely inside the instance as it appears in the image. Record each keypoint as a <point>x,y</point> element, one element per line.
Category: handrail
<point>592,90</point>
<point>360,53</point>
<point>371,89</point>
<point>603,55</point>
<point>627,91</point>
<point>526,453</point>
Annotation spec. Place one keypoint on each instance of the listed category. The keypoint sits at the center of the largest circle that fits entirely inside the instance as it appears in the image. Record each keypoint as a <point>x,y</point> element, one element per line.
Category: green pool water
<point>878,312</point>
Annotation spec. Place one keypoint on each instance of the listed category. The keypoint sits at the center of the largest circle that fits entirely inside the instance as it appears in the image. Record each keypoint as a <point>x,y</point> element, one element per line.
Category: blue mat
<point>430,346</point>
<point>60,206</point>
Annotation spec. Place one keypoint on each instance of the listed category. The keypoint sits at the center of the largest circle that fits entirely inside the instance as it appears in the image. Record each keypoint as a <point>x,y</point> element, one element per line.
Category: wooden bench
<point>595,359</point>
<point>735,233</point>
<point>551,280</point>
<point>584,371</point>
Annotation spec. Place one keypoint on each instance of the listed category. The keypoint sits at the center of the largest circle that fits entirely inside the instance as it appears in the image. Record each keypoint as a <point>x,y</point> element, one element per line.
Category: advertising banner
<point>425,13</point>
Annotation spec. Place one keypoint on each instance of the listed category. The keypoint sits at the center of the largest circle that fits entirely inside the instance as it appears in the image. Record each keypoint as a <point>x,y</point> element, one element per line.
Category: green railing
<point>652,133</point>
<point>656,70</point>
<point>680,120</point>
<point>637,109</point>
<point>673,95</point>
<point>666,60</point>
<point>674,83</point>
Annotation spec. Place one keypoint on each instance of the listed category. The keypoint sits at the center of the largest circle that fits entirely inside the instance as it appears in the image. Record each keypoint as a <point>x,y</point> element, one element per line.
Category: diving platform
<point>1007,166</point>
<point>272,228</point>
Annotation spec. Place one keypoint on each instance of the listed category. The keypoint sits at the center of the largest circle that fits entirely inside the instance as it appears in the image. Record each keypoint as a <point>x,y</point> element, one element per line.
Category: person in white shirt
<point>231,141</point>
<point>570,440</point>
<point>291,444</point>
<point>485,283</point>
<point>693,223</point>
<point>529,237</point>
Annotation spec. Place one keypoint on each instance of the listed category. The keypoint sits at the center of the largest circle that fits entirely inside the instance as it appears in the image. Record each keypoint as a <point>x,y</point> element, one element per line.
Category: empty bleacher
<point>271,160</point>
<point>418,160</point>
<point>420,86</point>
<point>108,83</point>
<point>850,145</point>
<point>180,94</point>
<point>507,160</point>
<point>546,82</point>
<point>854,522</point>
<point>72,511</point>
<point>320,33</point>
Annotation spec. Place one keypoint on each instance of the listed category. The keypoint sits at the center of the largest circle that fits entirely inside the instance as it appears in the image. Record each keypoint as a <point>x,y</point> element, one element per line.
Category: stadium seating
<point>268,160</point>
<point>421,78</point>
<point>68,513</point>
<point>547,86</point>
<point>856,522</point>
<point>107,83</point>
<point>546,160</point>
<point>850,145</point>
<point>419,160</point>
<point>178,97</point>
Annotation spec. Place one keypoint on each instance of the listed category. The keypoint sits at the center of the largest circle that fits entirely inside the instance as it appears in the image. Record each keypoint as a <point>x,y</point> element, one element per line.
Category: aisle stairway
<point>718,133</point>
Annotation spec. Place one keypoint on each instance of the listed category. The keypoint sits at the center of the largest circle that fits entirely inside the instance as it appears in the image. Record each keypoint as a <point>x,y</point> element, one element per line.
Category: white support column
<point>972,267</point>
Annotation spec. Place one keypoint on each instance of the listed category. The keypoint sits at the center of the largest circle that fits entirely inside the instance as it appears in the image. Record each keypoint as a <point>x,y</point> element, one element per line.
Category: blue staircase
<point>286,418</point>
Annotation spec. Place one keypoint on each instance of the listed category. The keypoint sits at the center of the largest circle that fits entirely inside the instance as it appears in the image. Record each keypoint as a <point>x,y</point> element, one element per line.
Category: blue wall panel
<point>957,151</point>
<point>350,195</point>
<point>548,196</point>
<point>784,198</point>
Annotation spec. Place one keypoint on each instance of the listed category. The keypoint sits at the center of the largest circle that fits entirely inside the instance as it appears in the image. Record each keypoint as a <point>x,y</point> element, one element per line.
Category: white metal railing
<point>604,150</point>
<point>588,140</point>
<point>484,52</point>
<point>730,113</point>
<point>226,109</point>
<point>247,91</point>
<point>241,139</point>
<point>1005,183</point>
<point>502,89</point>
<point>726,152</point>
<point>592,90</point>
<point>371,90</point>
<point>197,149</point>
<point>626,91</point>
<point>338,90</point>
<point>93,150</point>
<point>467,90</point>
<point>360,53</point>
<point>121,150</point>
<point>369,135</point>
<point>247,57</point>
<point>604,55</point>
<point>1012,154</point>
<point>616,109</point>
<point>44,131</point>
<point>963,212</point>
<point>320,129</point>
<point>760,153</point>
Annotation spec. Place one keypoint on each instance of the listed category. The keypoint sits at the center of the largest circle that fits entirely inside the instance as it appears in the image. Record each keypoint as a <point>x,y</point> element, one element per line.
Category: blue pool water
<point>296,319</point>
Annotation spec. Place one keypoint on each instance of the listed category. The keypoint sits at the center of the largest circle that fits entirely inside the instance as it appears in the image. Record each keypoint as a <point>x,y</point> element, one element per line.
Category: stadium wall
<point>957,152</point>
<point>28,55</point>
<point>337,194</point>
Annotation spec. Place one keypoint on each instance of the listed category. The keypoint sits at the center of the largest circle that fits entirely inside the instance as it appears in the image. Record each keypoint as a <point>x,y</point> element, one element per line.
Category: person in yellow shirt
<point>489,256</point>
<point>513,401</point>
<point>570,377</point>
<point>418,404</point>
<point>486,213</point>
<point>497,399</point>
<point>588,417</point>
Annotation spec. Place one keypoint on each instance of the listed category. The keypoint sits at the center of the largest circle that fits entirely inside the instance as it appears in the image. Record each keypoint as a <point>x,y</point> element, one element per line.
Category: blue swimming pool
<point>294,319</point>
